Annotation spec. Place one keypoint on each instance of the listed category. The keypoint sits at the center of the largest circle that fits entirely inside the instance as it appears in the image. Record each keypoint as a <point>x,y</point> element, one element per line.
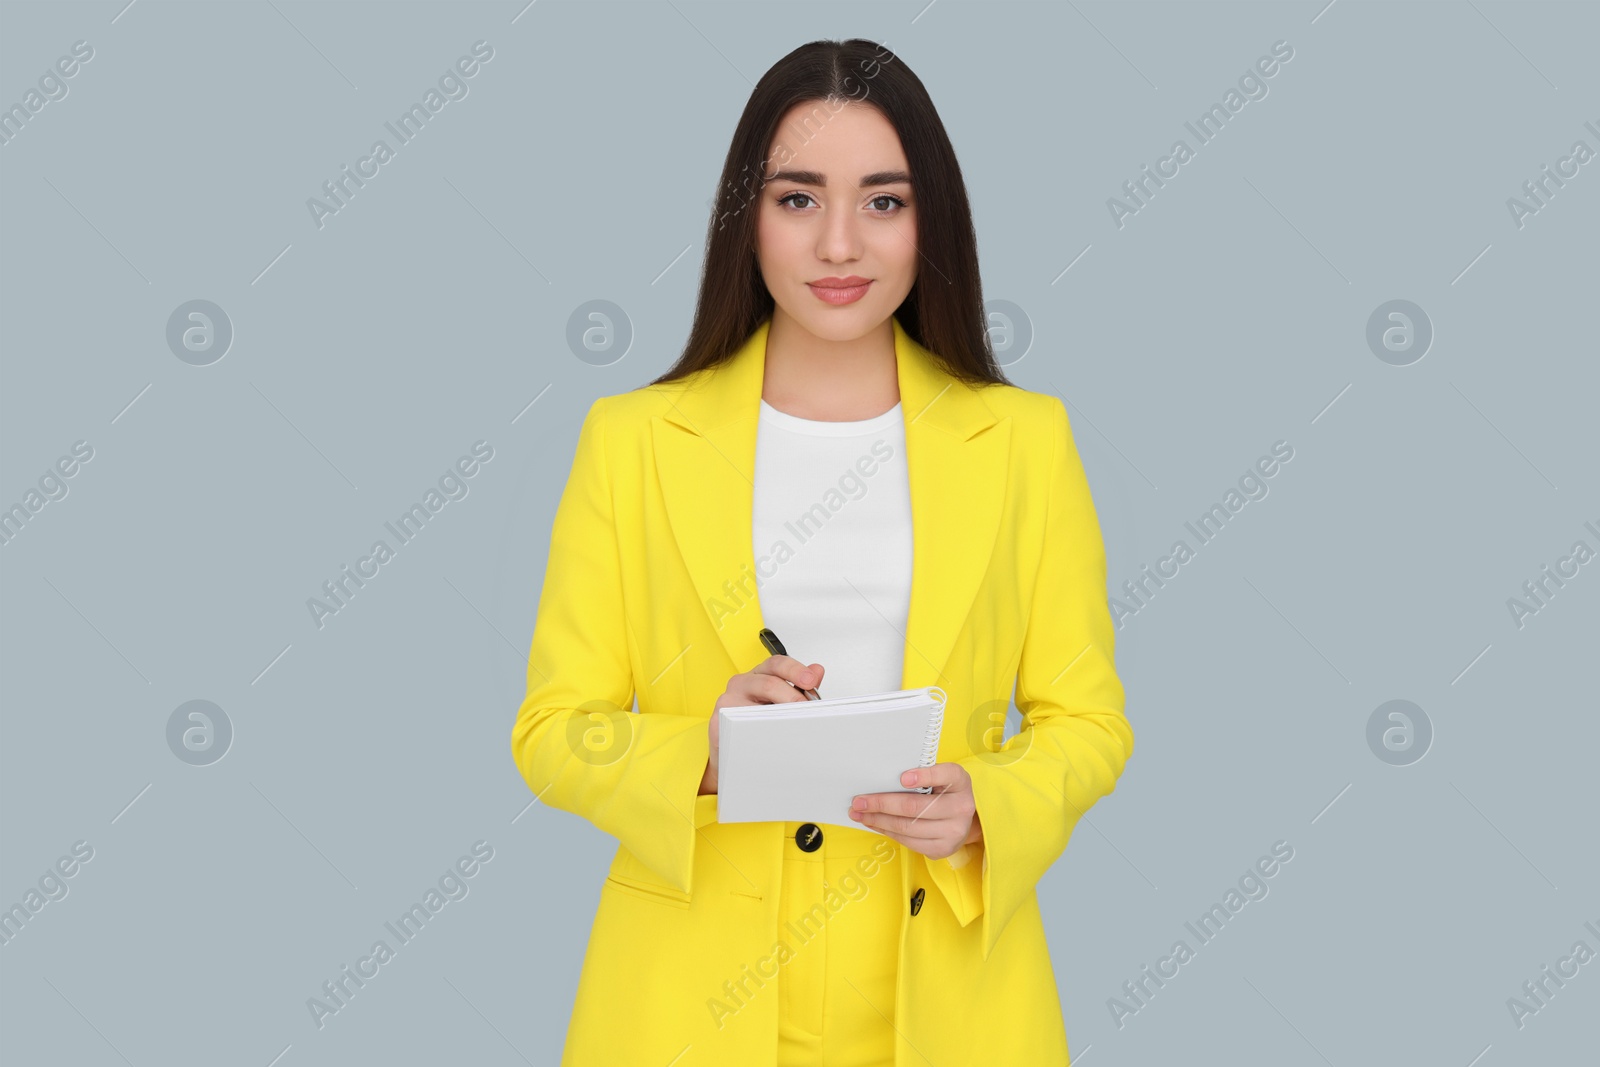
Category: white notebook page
<point>806,760</point>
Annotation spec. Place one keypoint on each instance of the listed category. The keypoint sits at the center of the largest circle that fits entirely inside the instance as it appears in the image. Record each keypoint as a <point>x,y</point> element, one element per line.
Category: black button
<point>808,837</point>
<point>916,901</point>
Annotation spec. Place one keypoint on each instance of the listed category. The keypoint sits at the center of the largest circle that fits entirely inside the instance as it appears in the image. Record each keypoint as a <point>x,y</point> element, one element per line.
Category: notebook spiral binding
<point>930,745</point>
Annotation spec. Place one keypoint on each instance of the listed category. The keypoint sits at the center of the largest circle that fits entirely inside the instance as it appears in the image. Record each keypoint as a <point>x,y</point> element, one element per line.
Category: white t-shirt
<point>831,530</point>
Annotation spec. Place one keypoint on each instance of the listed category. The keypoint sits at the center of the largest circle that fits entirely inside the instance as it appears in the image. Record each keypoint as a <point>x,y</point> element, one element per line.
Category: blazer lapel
<point>705,443</point>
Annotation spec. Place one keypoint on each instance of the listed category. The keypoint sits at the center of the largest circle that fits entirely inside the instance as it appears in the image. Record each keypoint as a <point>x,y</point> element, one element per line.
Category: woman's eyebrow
<point>812,177</point>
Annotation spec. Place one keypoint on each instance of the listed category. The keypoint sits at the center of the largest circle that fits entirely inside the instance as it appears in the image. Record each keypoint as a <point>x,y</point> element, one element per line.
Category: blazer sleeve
<point>577,743</point>
<point>1075,737</point>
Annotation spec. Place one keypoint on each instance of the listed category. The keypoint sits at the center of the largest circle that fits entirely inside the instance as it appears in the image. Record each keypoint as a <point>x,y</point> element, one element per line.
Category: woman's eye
<point>883,202</point>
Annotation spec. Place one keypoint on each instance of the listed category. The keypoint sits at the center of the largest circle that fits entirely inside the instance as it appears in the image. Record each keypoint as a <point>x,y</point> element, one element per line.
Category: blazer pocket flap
<point>629,875</point>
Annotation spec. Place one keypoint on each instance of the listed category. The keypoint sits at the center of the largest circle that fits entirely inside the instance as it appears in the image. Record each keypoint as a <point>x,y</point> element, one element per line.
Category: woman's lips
<point>836,295</point>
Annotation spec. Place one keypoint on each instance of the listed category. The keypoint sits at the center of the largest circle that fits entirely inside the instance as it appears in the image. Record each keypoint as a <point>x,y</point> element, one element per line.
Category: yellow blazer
<point>649,593</point>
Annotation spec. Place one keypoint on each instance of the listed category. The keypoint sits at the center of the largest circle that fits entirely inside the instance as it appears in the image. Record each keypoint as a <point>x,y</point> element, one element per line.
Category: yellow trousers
<point>836,989</point>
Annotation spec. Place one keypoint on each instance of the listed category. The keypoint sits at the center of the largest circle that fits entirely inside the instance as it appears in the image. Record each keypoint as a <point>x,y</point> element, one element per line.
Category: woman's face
<point>837,208</point>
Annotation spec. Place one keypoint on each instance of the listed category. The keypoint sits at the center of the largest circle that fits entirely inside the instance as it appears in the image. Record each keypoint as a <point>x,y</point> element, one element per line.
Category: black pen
<point>775,646</point>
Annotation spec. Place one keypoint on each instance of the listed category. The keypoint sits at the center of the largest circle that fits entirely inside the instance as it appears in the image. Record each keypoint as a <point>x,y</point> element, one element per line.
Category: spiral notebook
<point>806,760</point>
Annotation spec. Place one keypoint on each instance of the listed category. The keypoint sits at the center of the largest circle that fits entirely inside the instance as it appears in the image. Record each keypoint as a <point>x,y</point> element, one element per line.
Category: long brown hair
<point>734,300</point>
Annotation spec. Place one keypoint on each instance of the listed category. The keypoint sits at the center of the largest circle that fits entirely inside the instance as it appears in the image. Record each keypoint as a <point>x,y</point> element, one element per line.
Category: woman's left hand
<point>935,824</point>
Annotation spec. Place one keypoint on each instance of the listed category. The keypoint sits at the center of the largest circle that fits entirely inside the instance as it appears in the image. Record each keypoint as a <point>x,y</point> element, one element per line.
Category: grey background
<point>1229,313</point>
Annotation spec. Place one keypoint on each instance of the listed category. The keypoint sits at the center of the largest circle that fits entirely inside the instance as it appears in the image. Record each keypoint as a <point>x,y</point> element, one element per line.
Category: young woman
<point>835,455</point>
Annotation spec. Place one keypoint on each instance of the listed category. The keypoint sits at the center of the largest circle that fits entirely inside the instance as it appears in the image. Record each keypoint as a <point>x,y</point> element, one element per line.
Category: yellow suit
<point>650,593</point>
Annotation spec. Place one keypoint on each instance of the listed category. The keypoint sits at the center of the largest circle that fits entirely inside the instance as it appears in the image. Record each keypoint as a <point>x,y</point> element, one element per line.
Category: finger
<point>914,845</point>
<point>759,688</point>
<point>942,776</point>
<point>924,830</point>
<point>892,803</point>
<point>791,670</point>
<point>910,803</point>
<point>921,807</point>
<point>946,807</point>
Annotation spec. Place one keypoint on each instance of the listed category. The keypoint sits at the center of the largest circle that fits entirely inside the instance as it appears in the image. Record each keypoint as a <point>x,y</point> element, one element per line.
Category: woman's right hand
<point>769,683</point>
